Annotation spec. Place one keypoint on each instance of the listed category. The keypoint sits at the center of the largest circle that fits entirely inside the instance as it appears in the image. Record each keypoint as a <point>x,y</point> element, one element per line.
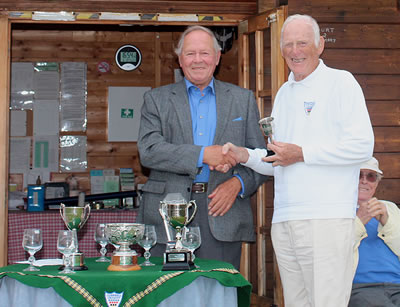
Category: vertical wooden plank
<point>243,64</point>
<point>244,56</point>
<point>278,66</point>
<point>259,40</point>
<point>4,132</point>
<point>279,76</point>
<point>261,264</point>
<point>157,60</point>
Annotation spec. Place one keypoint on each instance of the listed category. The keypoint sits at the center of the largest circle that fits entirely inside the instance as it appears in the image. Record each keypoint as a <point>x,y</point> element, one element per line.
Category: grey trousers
<point>375,295</point>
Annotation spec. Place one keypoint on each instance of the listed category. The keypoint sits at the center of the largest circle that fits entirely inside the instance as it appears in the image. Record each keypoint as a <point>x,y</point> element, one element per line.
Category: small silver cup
<point>267,127</point>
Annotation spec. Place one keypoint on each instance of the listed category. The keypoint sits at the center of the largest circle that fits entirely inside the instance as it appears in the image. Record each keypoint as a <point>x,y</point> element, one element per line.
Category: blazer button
<point>188,189</point>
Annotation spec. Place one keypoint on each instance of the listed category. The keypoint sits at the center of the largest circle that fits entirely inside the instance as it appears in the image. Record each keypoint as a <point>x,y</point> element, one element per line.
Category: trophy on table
<point>267,126</point>
<point>174,211</point>
<point>74,218</point>
<point>123,235</point>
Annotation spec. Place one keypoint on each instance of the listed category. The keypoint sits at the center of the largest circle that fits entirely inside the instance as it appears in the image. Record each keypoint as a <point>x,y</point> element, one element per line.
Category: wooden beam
<point>261,265</point>
<point>244,56</point>
<point>278,66</point>
<point>266,5</point>
<point>243,64</point>
<point>5,43</point>
<point>241,8</point>
<point>279,76</point>
<point>157,60</point>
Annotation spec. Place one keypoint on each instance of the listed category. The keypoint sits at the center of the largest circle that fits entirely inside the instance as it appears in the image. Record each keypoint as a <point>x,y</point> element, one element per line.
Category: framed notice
<point>124,104</point>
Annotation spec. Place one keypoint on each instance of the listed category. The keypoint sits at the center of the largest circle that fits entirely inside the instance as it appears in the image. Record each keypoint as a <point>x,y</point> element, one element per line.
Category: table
<point>147,287</point>
<point>50,222</point>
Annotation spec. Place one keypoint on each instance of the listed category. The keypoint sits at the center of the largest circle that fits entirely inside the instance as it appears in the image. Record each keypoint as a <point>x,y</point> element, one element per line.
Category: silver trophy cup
<point>74,218</point>
<point>174,211</point>
<point>123,235</point>
<point>267,126</point>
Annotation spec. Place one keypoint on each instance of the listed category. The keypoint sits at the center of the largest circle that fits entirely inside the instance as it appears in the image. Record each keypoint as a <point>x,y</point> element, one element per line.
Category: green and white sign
<point>126,113</point>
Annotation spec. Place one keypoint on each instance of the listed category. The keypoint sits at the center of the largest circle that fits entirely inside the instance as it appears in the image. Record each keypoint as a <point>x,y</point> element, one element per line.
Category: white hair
<point>178,49</point>
<point>308,19</point>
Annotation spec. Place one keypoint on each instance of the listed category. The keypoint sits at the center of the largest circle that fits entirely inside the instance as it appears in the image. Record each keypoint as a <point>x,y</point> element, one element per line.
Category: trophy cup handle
<point>192,203</point>
<point>165,220</point>
<point>87,213</point>
<point>62,207</point>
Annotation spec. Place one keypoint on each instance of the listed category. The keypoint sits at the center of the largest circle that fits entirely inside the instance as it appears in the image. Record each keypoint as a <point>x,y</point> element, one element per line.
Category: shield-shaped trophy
<point>74,218</point>
<point>174,211</point>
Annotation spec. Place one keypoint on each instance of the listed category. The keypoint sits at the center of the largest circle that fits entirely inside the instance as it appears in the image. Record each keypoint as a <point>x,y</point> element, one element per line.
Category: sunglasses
<point>371,177</point>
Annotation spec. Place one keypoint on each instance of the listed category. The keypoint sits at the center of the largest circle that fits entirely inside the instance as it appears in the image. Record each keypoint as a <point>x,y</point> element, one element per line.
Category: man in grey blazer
<point>183,127</point>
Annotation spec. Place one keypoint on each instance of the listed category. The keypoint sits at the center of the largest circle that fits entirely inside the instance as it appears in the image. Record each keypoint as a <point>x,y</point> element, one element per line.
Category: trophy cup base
<point>74,268</point>
<point>179,260</point>
<point>124,262</point>
<point>121,268</point>
<point>77,262</point>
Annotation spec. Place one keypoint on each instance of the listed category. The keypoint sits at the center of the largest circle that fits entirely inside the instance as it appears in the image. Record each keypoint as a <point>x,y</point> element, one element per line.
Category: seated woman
<point>377,246</point>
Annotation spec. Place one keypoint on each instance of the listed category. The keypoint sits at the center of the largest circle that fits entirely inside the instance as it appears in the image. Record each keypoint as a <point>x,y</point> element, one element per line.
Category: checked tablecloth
<point>50,222</point>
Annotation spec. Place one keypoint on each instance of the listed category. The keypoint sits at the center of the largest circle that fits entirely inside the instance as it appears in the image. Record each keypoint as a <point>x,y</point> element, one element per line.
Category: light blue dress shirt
<point>204,121</point>
<point>203,109</point>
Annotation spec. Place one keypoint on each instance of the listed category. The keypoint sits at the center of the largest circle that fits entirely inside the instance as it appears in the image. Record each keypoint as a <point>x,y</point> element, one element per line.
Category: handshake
<point>223,158</point>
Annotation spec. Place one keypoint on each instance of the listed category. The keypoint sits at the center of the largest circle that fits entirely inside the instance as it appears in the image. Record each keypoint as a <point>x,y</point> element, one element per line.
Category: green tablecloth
<point>146,287</point>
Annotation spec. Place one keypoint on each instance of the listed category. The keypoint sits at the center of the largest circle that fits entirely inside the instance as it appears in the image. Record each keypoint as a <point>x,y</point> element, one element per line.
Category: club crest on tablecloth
<point>113,299</point>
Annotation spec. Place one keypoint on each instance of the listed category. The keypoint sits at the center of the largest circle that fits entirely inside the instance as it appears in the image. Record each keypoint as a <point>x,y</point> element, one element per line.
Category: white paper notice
<point>46,117</point>
<point>21,85</point>
<point>47,85</point>
<point>124,104</point>
<point>45,153</point>
<point>73,96</point>
<point>73,153</point>
<point>20,153</point>
<point>18,123</point>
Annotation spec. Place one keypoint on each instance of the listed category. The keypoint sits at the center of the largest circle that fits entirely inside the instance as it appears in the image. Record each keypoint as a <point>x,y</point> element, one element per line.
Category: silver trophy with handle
<point>74,218</point>
<point>267,127</point>
<point>174,211</point>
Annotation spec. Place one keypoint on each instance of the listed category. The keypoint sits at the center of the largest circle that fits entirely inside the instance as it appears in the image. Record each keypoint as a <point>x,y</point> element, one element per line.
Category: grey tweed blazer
<point>166,147</point>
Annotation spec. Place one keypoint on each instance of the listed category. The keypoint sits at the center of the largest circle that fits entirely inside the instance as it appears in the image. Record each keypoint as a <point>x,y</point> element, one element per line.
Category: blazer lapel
<point>224,104</point>
<point>180,101</point>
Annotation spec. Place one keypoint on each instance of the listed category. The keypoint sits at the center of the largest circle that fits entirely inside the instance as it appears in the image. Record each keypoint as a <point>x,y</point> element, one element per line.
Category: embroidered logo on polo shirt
<point>308,105</point>
<point>113,299</point>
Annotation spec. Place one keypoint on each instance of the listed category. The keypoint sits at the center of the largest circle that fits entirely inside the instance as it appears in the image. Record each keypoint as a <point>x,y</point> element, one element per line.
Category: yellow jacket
<point>390,233</point>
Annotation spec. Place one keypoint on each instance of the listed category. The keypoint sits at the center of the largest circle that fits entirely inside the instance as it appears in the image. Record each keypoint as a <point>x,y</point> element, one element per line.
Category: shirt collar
<point>309,79</point>
<point>190,84</point>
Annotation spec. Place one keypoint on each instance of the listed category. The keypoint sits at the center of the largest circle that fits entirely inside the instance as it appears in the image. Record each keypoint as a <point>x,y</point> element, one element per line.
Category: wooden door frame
<point>274,20</point>
<point>5,39</point>
<point>5,59</point>
<point>7,19</point>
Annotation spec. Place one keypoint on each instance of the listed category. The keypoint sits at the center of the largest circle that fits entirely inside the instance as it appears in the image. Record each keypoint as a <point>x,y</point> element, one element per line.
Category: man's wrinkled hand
<point>372,208</point>
<point>285,154</point>
<point>223,197</point>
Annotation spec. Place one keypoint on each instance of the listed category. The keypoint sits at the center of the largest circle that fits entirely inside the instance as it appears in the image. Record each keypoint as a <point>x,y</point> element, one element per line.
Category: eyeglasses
<point>371,177</point>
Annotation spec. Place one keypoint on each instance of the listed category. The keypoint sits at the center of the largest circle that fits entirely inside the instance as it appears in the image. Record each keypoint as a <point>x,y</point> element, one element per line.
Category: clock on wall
<point>128,57</point>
